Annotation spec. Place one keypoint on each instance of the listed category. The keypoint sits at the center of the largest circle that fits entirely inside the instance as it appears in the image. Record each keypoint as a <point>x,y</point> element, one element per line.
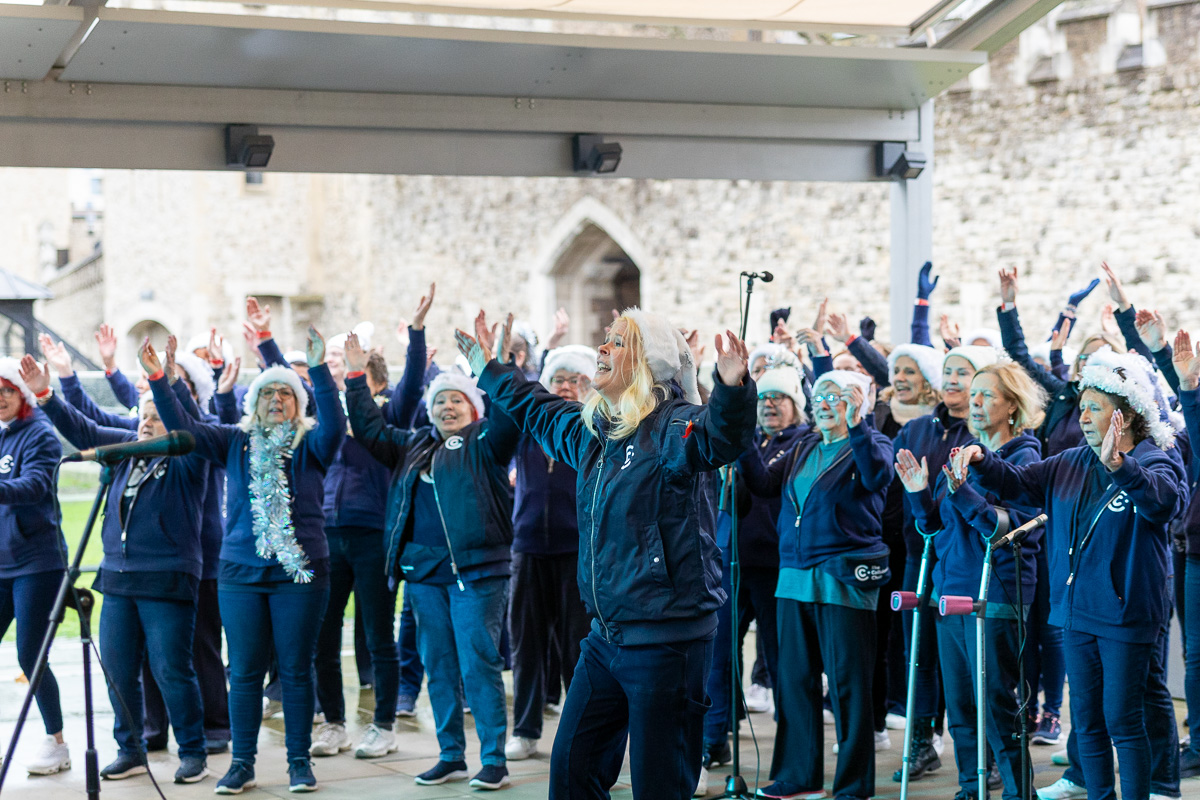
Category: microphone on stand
<point>175,443</point>
<point>763,276</point>
<point>1018,534</point>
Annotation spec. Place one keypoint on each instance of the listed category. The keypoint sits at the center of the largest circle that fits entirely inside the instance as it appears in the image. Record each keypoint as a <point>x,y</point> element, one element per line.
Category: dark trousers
<point>1189,616</point>
<point>884,683</point>
<point>959,660</point>
<point>1108,685</point>
<point>412,672</point>
<point>210,673</point>
<point>254,622</point>
<point>29,599</point>
<point>756,600</point>
<point>839,641</point>
<point>1044,664</point>
<point>928,699</point>
<point>356,560</point>
<point>545,615</point>
<point>137,629</point>
<point>652,696</point>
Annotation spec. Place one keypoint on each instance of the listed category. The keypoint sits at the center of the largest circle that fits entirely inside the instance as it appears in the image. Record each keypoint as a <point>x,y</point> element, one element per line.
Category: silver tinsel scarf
<point>271,501</point>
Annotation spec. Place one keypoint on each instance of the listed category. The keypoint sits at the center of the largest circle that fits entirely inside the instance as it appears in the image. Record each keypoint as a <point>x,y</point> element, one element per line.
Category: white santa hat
<point>979,356</point>
<point>775,354</point>
<point>572,358</point>
<point>1042,350</point>
<point>201,340</point>
<point>284,375</point>
<point>363,330</point>
<point>450,381</point>
<point>786,381</point>
<point>199,374</point>
<point>296,357</point>
<point>844,379</point>
<point>989,335</point>
<point>928,360</point>
<point>666,352</point>
<point>10,370</point>
<point>1131,376</point>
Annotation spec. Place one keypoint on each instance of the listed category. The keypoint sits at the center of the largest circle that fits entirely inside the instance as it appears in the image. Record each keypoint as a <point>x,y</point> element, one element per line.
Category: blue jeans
<point>652,696</point>
<point>412,671</point>
<point>1108,686</point>
<point>458,636</point>
<point>137,628</point>
<point>960,662</point>
<point>253,622</point>
<point>29,599</point>
<point>354,566</point>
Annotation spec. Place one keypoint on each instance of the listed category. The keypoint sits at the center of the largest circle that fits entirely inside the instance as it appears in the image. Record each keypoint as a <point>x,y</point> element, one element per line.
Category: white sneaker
<point>702,784</point>
<point>896,722</point>
<point>827,716</point>
<point>50,758</point>
<point>882,741</point>
<point>271,708</point>
<point>759,700</point>
<point>938,746</point>
<point>1062,789</point>
<point>1162,797</point>
<point>376,743</point>
<point>329,740</point>
<point>520,748</point>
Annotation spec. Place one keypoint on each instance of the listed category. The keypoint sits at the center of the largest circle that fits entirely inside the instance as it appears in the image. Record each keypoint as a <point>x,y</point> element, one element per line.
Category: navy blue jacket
<point>932,437</point>
<point>470,476</point>
<point>31,539</point>
<point>964,523</point>
<point>229,446</point>
<point>123,389</point>
<point>844,511</point>
<point>1189,403</point>
<point>758,537</point>
<point>161,532</point>
<point>1109,562</point>
<point>649,568</point>
<point>545,517</point>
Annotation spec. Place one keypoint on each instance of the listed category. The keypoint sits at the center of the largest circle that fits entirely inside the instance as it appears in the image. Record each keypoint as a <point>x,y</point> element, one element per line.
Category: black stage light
<point>591,153</point>
<point>893,161</point>
<point>245,148</point>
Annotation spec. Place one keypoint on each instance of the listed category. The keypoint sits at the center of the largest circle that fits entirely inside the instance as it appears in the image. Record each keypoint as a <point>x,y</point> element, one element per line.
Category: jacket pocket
<point>656,556</point>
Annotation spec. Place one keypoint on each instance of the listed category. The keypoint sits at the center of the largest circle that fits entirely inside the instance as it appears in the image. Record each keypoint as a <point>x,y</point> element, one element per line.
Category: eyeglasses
<point>284,394</point>
<point>773,397</point>
<point>7,391</point>
<point>832,399</point>
<point>559,380</point>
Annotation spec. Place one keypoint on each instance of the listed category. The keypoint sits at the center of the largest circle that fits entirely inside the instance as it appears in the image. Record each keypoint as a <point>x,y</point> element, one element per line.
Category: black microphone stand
<point>1022,690</point>
<point>735,784</point>
<point>82,601</point>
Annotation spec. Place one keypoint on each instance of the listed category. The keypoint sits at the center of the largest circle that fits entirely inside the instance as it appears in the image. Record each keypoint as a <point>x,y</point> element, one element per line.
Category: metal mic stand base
<point>735,786</point>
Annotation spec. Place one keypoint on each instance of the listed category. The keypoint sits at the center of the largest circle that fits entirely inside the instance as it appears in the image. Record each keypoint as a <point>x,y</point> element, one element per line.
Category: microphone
<point>1019,534</point>
<point>175,443</point>
<point>763,276</point>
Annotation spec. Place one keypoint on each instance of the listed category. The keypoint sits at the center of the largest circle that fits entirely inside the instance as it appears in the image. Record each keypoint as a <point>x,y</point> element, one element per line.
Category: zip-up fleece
<point>545,516</point>
<point>470,480</point>
<point>964,523</point>
<point>161,531</point>
<point>1108,562</point>
<point>649,568</point>
<point>932,436</point>
<point>30,539</point>
<point>758,536</point>
<point>229,446</point>
<point>844,511</point>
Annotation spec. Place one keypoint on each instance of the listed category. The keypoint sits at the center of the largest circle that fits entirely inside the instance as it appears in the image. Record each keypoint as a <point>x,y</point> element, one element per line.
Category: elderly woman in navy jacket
<point>274,574</point>
<point>150,576</point>
<point>1110,504</point>
<point>1005,405</point>
<point>448,535</point>
<point>649,569</point>
<point>832,561</point>
<point>31,547</point>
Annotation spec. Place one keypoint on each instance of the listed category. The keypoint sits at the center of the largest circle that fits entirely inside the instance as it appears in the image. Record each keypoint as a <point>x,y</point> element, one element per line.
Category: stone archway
<point>148,327</point>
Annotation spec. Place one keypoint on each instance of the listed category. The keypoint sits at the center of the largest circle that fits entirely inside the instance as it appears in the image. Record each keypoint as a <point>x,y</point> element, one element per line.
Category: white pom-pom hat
<point>199,375</point>
<point>284,375</point>
<point>572,358</point>
<point>1129,375</point>
<point>10,370</point>
<point>450,381</point>
<point>928,360</point>
<point>666,352</point>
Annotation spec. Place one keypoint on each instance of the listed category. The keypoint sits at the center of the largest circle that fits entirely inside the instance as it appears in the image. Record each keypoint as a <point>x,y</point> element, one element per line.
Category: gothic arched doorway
<point>593,275</point>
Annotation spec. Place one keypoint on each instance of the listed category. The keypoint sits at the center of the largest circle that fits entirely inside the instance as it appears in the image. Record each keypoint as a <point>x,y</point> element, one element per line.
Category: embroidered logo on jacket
<point>454,442</point>
<point>628,456</point>
<point>1119,503</point>
<point>6,465</point>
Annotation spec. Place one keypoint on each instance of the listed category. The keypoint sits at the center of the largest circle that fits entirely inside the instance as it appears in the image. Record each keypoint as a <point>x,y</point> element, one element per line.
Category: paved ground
<point>345,777</point>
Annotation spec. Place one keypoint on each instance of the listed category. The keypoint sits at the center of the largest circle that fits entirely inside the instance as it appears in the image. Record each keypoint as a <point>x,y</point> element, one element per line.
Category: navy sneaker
<point>492,776</point>
<point>238,779</point>
<point>1049,730</point>
<point>126,766</point>
<point>443,772</point>
<point>782,790</point>
<point>192,769</point>
<point>406,706</point>
<point>300,776</point>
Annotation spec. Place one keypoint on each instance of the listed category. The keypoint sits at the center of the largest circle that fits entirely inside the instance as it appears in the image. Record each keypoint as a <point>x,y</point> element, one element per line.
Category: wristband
<point>43,394</point>
<point>156,375</point>
<point>921,301</point>
<point>109,373</point>
<point>358,373</point>
<point>264,334</point>
<point>217,364</point>
<point>1007,306</point>
<point>850,341</point>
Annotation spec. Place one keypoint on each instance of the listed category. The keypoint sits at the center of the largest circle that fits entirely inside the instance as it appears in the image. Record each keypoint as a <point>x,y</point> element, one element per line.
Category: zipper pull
<point>1071,552</point>
<point>461,588</point>
<point>1070,579</point>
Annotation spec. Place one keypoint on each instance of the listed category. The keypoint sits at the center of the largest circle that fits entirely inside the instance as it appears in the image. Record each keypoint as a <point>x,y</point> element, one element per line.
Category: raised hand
<point>853,397</point>
<point>56,356</point>
<point>429,354</point>
<point>216,348</point>
<point>914,475</point>
<point>1115,290</point>
<point>229,376</point>
<point>402,333</point>
<point>732,365</point>
<point>356,357</point>
<point>961,460</point>
<point>423,306</point>
<point>1008,286</point>
<point>471,349</point>
<point>819,322</point>
<point>1187,364</point>
<point>36,377</point>
<point>866,328</point>
<point>485,338</point>
<point>314,348</point>
<point>783,336</point>
<point>1108,320</point>
<point>1059,340</point>
<point>149,358</point>
<point>1151,328</point>
<point>1074,300</point>
<point>813,339</point>
<point>839,327</point>
<point>562,326</point>
<point>169,368</point>
<point>1110,449</point>
<point>925,286</point>
<point>106,342</point>
<point>949,331</point>
<point>258,315</point>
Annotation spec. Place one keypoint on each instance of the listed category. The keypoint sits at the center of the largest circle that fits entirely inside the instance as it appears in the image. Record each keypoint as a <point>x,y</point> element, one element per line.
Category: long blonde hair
<point>637,401</point>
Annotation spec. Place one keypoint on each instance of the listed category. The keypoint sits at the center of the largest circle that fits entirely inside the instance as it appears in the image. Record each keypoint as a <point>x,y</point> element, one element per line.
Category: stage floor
<point>346,778</point>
